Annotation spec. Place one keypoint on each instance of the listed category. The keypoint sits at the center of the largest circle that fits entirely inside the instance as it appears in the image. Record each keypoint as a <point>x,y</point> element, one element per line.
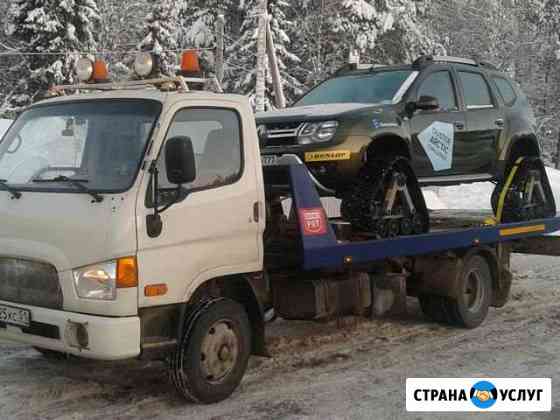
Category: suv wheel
<point>529,195</point>
<point>386,200</point>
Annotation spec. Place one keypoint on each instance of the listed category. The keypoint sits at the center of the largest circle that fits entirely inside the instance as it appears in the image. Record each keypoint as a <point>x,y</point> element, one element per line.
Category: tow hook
<point>76,335</point>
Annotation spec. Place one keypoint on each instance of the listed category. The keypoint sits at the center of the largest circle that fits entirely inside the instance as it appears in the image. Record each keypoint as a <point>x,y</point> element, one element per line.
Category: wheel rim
<point>473,292</point>
<point>219,351</point>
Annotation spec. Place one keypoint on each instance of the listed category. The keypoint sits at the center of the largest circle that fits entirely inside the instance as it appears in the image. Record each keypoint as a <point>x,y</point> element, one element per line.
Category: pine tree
<point>56,33</point>
<point>241,55</point>
<point>198,20</point>
<point>161,35</point>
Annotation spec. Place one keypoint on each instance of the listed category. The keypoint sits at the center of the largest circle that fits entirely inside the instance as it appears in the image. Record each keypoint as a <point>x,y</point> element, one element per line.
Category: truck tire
<point>471,306</point>
<point>212,356</point>
<point>435,308</point>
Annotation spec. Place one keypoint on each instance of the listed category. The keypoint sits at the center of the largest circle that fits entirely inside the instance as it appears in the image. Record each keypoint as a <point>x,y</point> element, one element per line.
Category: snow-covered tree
<point>198,21</point>
<point>52,35</point>
<point>161,34</point>
<point>381,31</point>
<point>121,28</point>
<point>241,55</point>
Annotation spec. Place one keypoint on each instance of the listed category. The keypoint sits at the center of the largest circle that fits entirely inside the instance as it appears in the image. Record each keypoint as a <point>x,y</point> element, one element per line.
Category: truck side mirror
<point>427,103</point>
<point>180,160</point>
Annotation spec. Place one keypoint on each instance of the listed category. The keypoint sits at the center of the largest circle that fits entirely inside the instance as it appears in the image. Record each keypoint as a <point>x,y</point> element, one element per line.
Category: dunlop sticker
<point>327,156</point>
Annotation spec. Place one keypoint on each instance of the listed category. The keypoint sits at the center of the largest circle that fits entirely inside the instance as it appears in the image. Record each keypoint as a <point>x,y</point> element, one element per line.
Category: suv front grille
<point>29,283</point>
<point>282,134</point>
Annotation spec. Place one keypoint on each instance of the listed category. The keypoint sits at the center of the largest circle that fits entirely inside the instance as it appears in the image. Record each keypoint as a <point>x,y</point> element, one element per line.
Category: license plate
<point>269,160</point>
<point>15,316</point>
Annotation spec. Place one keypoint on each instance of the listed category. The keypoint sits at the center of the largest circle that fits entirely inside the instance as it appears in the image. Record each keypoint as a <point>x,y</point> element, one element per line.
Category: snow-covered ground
<point>4,125</point>
<point>475,196</point>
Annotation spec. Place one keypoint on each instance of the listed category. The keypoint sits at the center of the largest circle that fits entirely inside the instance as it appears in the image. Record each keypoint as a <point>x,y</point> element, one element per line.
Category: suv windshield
<point>377,87</point>
<point>101,142</point>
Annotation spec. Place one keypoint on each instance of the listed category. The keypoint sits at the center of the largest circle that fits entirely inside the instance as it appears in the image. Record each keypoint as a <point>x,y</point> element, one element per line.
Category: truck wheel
<point>470,308</point>
<point>212,356</point>
<point>434,307</point>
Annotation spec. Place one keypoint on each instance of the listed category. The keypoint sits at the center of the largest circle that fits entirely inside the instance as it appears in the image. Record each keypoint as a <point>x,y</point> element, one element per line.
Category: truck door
<point>213,229</point>
<point>485,124</point>
<point>435,134</point>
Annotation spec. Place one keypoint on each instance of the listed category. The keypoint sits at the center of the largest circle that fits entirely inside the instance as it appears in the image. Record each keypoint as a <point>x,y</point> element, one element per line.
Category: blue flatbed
<point>322,250</point>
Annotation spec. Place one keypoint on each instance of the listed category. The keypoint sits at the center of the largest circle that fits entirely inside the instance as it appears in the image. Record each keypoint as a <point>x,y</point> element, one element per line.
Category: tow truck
<point>140,222</point>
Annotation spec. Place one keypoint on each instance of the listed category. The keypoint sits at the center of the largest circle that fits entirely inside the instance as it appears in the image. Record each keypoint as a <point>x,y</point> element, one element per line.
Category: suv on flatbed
<point>438,121</point>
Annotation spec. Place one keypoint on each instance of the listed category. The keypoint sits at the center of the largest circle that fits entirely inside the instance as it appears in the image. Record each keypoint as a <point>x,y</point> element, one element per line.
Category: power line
<point>100,52</point>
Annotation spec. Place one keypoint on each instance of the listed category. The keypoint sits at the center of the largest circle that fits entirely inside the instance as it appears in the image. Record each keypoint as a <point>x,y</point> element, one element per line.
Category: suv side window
<point>440,86</point>
<point>216,139</point>
<point>506,90</point>
<point>476,90</point>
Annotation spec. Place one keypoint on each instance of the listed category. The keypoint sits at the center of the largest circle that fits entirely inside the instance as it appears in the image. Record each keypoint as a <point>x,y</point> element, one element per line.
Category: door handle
<point>499,123</point>
<point>256,212</point>
<point>459,125</point>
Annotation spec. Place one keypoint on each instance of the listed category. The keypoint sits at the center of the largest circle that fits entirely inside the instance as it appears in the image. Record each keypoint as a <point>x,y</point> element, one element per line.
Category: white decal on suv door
<point>437,140</point>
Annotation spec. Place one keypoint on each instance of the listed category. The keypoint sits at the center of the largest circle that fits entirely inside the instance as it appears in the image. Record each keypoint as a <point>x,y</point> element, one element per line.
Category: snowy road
<point>319,370</point>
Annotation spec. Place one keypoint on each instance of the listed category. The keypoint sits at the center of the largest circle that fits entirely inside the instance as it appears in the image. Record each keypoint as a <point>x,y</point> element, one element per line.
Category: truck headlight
<point>97,281</point>
<point>101,281</point>
<point>319,132</point>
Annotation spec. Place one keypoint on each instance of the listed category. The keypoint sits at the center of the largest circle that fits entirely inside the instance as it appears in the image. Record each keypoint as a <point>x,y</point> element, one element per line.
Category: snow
<point>477,196</point>
<point>4,125</point>
<point>465,196</point>
<point>433,200</point>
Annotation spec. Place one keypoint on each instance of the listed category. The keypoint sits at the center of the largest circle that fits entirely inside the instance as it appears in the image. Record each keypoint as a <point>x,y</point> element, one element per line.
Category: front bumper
<point>107,338</point>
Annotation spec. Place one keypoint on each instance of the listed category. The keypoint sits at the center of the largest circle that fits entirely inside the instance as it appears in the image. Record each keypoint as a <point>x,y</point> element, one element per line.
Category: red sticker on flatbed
<point>313,221</point>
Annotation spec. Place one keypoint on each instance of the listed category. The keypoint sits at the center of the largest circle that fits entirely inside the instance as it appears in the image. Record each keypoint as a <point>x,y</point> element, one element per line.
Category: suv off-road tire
<point>513,210</point>
<point>363,204</point>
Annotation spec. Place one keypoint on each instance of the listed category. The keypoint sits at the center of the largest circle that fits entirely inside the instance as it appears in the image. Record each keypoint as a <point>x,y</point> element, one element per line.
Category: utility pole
<point>220,25</point>
<point>260,89</point>
<point>274,68</point>
<point>557,160</point>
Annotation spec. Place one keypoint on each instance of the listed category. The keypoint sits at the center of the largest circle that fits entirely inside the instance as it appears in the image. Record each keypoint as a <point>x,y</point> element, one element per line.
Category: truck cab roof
<point>147,94</point>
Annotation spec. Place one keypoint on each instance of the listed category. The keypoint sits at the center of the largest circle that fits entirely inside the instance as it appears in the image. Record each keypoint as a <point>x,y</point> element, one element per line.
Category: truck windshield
<point>100,142</point>
<point>371,88</point>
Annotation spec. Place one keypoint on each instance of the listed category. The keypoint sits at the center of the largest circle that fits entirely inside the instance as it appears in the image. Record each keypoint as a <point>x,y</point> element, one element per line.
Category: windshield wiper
<point>15,193</point>
<point>76,182</point>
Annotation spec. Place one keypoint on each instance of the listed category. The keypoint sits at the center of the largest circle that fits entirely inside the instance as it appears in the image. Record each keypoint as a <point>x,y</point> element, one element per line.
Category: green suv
<point>373,135</point>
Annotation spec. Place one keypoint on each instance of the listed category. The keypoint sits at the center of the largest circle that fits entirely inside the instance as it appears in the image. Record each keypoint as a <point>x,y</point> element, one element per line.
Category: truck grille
<point>282,134</point>
<point>29,283</point>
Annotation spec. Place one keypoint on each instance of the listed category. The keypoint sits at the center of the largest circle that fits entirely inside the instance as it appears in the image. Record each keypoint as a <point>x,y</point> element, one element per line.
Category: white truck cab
<point>83,271</point>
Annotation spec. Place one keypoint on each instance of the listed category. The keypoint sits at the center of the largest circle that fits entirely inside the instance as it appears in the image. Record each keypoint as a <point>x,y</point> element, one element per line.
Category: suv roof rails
<point>429,59</point>
<point>488,65</point>
<point>349,67</point>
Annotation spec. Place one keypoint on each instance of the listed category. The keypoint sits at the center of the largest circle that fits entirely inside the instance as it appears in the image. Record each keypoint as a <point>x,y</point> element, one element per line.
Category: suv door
<point>213,230</point>
<point>436,133</point>
<point>485,124</point>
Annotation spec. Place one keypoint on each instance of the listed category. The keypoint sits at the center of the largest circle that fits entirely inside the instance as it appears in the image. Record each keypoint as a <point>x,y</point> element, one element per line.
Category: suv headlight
<point>101,281</point>
<point>320,132</point>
